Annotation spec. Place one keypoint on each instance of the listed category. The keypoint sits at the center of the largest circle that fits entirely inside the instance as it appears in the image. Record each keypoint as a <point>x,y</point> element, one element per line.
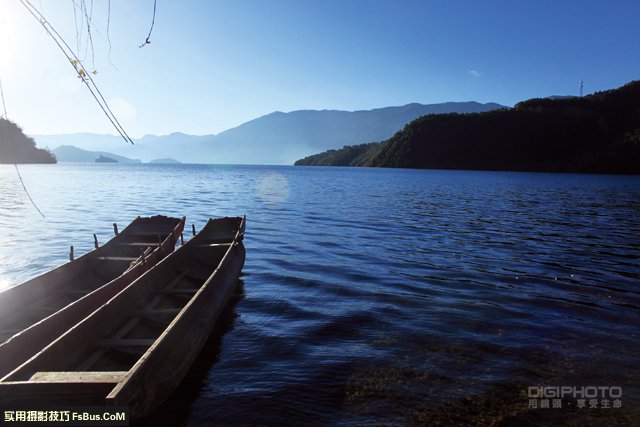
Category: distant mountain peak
<point>275,138</point>
<point>69,153</point>
<point>597,133</point>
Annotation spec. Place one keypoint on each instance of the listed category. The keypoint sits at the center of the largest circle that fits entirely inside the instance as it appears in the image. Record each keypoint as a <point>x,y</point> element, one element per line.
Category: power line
<point>24,187</point>
<point>83,73</point>
<point>153,21</point>
<point>4,106</point>
<point>27,191</point>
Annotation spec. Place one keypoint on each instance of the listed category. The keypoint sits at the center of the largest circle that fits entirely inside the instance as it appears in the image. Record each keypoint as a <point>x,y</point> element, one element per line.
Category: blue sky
<point>215,64</point>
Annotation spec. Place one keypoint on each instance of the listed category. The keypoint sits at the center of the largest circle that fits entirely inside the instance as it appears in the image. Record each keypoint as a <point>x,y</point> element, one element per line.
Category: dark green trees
<point>597,133</point>
<point>16,147</point>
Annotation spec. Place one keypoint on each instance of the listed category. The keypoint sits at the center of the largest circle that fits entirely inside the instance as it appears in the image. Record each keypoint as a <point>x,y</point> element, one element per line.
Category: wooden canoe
<point>39,310</point>
<point>135,349</point>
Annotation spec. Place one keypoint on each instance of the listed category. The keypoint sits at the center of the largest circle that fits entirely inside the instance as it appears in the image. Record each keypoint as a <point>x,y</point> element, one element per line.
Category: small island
<point>165,161</point>
<point>16,147</point>
<point>105,159</point>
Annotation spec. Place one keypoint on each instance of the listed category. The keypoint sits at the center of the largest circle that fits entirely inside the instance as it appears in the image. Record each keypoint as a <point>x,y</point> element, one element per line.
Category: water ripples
<point>375,296</point>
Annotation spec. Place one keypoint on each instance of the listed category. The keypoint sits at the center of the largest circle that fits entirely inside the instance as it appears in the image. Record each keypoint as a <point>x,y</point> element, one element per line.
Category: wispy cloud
<point>475,73</point>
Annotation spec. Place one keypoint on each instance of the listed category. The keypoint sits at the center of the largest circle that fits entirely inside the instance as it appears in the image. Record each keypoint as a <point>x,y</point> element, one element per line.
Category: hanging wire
<point>27,191</point>
<point>4,106</point>
<point>153,21</point>
<point>6,117</point>
<point>75,20</point>
<point>109,35</point>
<point>88,15</point>
<point>83,73</point>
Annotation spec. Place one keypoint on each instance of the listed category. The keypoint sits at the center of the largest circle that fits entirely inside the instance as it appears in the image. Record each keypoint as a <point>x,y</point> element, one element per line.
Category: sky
<point>215,64</point>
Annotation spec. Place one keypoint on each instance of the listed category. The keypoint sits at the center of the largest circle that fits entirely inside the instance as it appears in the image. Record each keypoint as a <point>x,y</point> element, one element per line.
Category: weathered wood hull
<point>136,348</point>
<point>161,369</point>
<point>70,293</point>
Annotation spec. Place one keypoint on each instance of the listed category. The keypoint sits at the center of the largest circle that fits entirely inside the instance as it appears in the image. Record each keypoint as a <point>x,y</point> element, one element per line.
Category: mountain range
<point>598,133</point>
<point>276,138</point>
<point>69,153</point>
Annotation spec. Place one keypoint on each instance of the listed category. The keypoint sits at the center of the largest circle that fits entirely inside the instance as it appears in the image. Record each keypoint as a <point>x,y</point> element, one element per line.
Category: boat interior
<point>58,288</point>
<point>108,343</point>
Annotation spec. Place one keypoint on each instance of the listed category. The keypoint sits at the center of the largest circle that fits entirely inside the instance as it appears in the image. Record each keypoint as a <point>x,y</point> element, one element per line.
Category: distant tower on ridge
<point>581,87</point>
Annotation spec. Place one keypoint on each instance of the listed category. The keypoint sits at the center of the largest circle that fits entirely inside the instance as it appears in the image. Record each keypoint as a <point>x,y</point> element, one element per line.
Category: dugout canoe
<point>39,310</point>
<point>135,349</point>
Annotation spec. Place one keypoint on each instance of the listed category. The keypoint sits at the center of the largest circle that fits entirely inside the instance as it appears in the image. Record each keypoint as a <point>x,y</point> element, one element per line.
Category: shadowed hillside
<point>349,155</point>
<point>16,147</point>
<point>597,133</point>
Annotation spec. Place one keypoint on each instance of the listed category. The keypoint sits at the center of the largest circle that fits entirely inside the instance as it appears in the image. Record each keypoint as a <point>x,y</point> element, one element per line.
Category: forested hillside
<point>16,147</point>
<point>597,133</point>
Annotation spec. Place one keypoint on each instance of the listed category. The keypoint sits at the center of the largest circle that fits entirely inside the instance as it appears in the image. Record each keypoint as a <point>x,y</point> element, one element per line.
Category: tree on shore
<point>16,147</point>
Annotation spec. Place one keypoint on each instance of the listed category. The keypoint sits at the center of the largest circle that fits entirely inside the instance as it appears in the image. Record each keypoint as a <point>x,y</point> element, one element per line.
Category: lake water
<point>378,297</point>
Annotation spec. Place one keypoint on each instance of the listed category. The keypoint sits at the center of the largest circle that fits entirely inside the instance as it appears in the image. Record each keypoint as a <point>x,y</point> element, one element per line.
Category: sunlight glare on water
<point>273,188</point>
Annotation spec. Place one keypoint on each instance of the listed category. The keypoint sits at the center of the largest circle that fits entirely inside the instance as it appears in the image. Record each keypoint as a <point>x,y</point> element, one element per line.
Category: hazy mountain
<point>68,153</point>
<point>281,138</point>
<point>147,148</point>
<point>179,146</point>
<point>164,161</point>
<point>277,138</point>
<point>85,141</point>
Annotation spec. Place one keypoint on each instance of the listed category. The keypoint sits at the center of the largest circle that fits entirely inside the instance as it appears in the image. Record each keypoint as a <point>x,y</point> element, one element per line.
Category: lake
<point>379,296</point>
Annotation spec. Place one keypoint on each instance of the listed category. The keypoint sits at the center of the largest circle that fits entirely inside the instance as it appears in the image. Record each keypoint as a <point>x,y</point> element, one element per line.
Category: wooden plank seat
<point>110,377</point>
<point>117,258</point>
<point>119,336</point>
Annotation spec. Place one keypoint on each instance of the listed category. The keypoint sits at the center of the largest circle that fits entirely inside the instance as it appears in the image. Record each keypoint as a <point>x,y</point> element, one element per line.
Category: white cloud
<point>475,73</point>
<point>122,109</point>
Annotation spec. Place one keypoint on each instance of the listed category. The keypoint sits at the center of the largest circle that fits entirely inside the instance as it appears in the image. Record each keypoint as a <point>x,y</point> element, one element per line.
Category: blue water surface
<point>376,296</point>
